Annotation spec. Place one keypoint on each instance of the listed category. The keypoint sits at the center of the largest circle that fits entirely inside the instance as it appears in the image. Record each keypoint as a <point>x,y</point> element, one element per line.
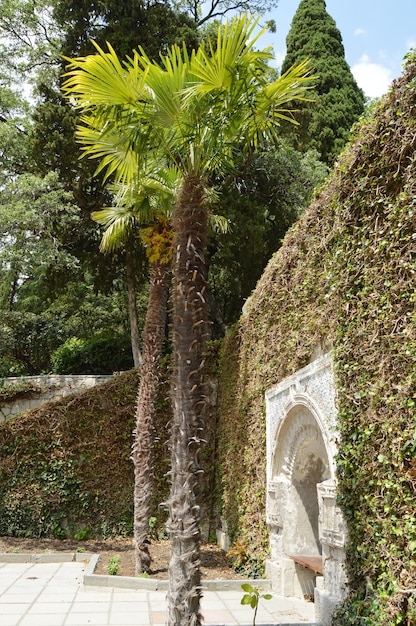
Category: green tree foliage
<point>338,102</point>
<point>46,294</point>
<point>49,256</point>
<point>261,203</point>
<point>36,216</point>
<point>14,129</point>
<point>152,25</point>
<point>104,354</point>
<point>14,120</point>
<point>29,38</point>
<point>27,339</point>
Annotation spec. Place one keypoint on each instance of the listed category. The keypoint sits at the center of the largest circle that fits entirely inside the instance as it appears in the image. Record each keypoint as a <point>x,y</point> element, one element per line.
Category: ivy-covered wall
<point>344,280</point>
<point>65,468</point>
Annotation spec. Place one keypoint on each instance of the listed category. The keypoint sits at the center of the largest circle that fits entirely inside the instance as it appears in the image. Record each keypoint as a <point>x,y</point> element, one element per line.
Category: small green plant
<point>15,550</point>
<point>82,534</point>
<point>252,597</point>
<point>143,575</point>
<point>58,531</point>
<point>80,550</point>
<point>113,565</point>
<point>153,527</point>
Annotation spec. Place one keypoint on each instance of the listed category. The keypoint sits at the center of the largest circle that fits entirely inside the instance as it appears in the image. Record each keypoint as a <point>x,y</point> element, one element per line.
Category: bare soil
<point>215,564</point>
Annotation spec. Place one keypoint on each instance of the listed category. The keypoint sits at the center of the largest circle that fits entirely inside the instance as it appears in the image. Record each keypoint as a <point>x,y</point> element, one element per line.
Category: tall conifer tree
<point>338,102</point>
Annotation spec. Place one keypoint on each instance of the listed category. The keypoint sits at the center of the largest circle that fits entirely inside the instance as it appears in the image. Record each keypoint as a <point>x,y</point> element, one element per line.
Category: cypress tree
<point>325,123</point>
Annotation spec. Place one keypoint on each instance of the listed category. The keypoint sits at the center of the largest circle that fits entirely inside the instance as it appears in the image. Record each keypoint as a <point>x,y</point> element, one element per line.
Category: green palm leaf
<point>119,222</point>
<point>101,79</point>
<point>217,68</point>
<point>117,156</point>
<point>136,205</point>
<point>165,82</point>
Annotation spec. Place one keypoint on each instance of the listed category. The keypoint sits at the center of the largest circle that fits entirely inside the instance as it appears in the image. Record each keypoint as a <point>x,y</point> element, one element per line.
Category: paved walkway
<point>54,594</point>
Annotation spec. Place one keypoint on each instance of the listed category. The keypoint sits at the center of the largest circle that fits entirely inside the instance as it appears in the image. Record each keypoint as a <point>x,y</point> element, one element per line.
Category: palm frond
<point>219,223</point>
<point>146,199</point>
<point>293,85</point>
<point>101,79</point>
<point>119,221</point>
<point>219,67</point>
<point>166,84</point>
<point>118,153</point>
<point>269,105</point>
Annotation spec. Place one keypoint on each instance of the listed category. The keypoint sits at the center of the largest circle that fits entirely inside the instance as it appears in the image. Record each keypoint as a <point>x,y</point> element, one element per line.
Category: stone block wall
<point>51,387</point>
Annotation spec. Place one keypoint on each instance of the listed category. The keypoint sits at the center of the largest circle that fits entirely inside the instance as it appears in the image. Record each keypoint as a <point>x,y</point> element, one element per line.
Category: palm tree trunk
<point>190,331</point>
<point>131,291</point>
<point>142,453</point>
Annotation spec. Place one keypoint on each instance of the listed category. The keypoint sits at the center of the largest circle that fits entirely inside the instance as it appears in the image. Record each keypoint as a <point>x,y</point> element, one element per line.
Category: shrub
<point>67,358</point>
<point>102,354</point>
<point>9,366</point>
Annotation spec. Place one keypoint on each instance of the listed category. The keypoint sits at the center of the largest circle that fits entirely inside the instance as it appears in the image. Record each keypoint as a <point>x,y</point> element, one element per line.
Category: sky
<point>376,35</point>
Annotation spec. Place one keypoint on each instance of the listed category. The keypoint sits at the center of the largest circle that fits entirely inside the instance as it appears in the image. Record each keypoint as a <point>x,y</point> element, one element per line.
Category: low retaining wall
<point>51,387</point>
<point>124,582</point>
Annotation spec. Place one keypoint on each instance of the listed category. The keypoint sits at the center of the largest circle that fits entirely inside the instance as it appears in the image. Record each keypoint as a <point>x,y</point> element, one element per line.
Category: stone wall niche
<point>307,530</point>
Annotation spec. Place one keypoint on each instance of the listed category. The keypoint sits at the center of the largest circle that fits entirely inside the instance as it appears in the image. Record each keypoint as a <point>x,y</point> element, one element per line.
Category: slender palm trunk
<point>134,327</point>
<point>145,413</point>
<point>190,330</point>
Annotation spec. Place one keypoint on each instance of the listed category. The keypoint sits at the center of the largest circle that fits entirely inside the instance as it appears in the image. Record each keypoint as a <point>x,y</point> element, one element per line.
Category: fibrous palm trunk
<point>132,307</point>
<point>143,447</point>
<point>190,331</point>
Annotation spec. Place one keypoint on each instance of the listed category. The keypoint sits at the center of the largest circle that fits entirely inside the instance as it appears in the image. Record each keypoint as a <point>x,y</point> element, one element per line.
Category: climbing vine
<point>66,469</point>
<point>62,466</point>
<point>343,280</point>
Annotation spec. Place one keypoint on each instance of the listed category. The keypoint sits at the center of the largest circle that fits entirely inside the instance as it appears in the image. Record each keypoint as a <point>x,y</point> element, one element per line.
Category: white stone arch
<point>303,520</point>
<point>302,460</point>
<point>302,420</point>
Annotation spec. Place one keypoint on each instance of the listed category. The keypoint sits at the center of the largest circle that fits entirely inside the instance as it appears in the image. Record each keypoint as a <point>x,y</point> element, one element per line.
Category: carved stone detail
<point>302,514</point>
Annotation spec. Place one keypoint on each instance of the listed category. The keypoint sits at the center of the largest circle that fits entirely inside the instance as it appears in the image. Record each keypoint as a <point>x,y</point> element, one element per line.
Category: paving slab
<point>55,594</point>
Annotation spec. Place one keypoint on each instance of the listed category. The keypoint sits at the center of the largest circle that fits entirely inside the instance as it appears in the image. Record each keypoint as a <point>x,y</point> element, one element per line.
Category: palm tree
<point>136,205</point>
<point>192,112</point>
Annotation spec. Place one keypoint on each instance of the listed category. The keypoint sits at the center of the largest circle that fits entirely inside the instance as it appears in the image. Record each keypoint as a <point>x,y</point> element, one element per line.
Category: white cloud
<point>279,57</point>
<point>360,31</point>
<point>373,78</point>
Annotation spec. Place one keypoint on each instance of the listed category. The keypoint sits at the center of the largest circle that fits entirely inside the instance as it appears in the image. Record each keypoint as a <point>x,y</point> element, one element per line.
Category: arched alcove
<point>306,528</point>
<point>301,459</point>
